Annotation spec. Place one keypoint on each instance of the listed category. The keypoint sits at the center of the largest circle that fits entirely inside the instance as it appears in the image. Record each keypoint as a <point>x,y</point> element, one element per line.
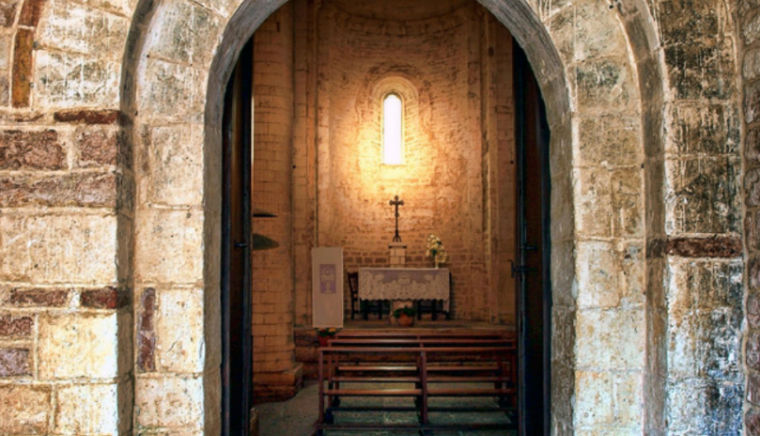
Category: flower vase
<point>323,340</point>
<point>437,264</point>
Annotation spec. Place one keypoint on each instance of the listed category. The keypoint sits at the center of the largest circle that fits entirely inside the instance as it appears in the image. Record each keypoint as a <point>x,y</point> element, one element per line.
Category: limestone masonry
<point>110,196</point>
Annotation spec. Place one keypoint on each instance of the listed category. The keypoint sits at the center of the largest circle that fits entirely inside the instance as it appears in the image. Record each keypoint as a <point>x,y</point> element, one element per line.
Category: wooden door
<point>532,263</point>
<point>236,250</point>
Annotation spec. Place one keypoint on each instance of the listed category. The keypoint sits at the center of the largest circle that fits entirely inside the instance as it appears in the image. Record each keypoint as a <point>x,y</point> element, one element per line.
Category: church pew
<point>417,334</point>
<point>422,374</point>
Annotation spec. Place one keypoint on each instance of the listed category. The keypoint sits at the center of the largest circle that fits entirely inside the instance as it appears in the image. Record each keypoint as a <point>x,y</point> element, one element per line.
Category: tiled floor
<point>297,416</point>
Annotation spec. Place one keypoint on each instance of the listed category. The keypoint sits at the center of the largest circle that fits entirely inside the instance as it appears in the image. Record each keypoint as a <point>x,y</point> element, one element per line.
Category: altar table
<point>405,284</point>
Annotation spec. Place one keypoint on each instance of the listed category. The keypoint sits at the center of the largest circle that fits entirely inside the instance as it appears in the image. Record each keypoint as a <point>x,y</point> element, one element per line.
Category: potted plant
<point>325,334</point>
<point>405,316</point>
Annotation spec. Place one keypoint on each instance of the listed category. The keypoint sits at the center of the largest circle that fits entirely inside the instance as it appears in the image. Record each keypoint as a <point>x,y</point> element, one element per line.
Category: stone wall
<point>65,205</point>
<point>109,167</point>
<point>698,310</point>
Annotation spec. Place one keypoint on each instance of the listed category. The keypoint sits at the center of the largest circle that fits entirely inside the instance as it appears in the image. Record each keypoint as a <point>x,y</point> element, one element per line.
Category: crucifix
<point>396,202</point>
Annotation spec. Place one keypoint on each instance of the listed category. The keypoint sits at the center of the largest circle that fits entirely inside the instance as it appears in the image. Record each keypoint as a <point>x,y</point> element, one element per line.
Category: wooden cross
<point>396,202</point>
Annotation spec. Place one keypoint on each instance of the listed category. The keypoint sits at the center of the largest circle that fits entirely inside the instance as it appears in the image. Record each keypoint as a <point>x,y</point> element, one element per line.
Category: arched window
<point>393,137</point>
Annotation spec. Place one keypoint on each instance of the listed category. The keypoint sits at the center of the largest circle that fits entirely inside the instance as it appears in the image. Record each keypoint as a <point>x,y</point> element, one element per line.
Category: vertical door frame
<point>534,412</point>
<point>236,304</point>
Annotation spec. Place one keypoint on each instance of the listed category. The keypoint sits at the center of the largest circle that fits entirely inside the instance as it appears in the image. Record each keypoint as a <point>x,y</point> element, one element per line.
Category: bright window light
<point>392,134</point>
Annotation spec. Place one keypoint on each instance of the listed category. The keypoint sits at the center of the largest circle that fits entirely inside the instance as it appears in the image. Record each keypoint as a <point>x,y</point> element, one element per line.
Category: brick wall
<point>440,72</point>
<point>275,372</point>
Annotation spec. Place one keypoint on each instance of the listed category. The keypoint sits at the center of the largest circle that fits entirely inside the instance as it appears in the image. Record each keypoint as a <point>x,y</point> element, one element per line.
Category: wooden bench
<point>425,362</point>
<point>418,334</point>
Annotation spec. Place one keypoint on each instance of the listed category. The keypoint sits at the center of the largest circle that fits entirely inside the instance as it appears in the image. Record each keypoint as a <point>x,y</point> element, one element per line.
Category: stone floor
<point>297,416</point>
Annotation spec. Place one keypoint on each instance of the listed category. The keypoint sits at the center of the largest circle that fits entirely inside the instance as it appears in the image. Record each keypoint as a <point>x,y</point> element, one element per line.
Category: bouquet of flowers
<point>436,250</point>
<point>327,332</point>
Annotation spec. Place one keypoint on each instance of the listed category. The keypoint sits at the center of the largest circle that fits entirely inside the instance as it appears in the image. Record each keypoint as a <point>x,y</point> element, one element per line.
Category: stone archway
<point>174,79</point>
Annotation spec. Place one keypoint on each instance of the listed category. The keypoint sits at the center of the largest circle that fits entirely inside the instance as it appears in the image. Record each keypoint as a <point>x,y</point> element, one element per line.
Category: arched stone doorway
<point>174,83</point>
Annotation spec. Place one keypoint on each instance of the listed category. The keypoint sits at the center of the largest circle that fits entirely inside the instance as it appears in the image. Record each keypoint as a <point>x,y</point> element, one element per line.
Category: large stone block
<point>598,274</point>
<point>169,246</point>
<point>752,101</point>
<point>607,399</point>
<point>751,65</point>
<point>36,297</point>
<point>25,409</point>
<point>16,326</point>
<point>610,339</point>
<point>690,19</point>
<point>169,401</point>
<point>78,345</point>
<point>610,139</point>
<point>702,70</point>
<point>35,150</point>
<point>705,407</point>
<point>593,189</point>
<point>627,188</point>
<point>65,80</point>
<point>178,89</point>
<point>173,171</point>
<point>97,147</point>
<point>58,249</point>
<point>709,129</point>
<point>104,298</point>
<point>705,195</point>
<point>22,67</point>
<point>84,190</point>
<point>752,422</point>
<point>87,409</point>
<point>77,28</point>
<point>604,83</point>
<point>184,32</point>
<point>751,28</point>
<point>8,14</point>
<point>14,362</point>
<point>180,343</point>
<point>705,319</point>
<point>597,31</point>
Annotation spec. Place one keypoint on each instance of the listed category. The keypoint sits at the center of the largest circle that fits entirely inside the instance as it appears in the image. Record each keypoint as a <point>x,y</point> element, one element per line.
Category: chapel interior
<point>322,74</point>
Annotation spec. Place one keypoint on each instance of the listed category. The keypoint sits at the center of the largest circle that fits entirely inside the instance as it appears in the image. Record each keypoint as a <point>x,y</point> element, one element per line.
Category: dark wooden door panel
<point>533,250</point>
<point>236,250</point>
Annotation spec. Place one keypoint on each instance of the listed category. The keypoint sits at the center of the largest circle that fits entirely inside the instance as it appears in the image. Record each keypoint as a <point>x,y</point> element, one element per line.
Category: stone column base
<point>277,386</point>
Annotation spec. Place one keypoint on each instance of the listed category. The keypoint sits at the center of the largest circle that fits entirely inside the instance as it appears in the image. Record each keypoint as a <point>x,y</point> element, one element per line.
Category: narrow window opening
<point>393,140</point>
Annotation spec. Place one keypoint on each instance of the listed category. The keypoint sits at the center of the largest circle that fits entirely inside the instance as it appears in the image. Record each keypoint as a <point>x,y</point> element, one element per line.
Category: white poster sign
<point>327,286</point>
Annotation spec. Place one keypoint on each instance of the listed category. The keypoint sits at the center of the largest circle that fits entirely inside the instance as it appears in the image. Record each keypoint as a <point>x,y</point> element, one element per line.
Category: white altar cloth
<point>405,284</point>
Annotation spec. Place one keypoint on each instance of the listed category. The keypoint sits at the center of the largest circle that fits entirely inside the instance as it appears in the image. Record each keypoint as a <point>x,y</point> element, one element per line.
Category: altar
<point>405,284</point>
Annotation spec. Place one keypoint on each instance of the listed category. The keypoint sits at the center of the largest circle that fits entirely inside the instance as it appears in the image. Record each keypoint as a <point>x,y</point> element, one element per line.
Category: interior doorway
<point>530,266</point>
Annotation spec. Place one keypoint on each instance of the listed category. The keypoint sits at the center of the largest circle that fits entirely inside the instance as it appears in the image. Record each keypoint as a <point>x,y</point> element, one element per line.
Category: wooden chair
<point>353,285</point>
<point>434,307</point>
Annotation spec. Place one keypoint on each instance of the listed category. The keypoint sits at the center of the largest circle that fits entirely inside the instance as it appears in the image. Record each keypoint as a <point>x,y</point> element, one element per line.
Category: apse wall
<point>444,63</point>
